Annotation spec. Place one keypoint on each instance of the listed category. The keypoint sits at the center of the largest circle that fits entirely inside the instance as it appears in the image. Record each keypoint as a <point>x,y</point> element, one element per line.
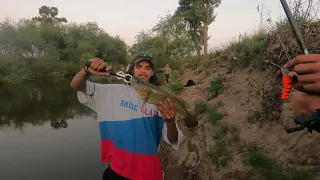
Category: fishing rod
<point>311,122</point>
<point>294,27</point>
<point>298,36</point>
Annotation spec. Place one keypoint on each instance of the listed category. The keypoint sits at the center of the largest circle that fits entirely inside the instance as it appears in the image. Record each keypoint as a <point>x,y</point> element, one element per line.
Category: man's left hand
<point>303,103</point>
<point>168,113</point>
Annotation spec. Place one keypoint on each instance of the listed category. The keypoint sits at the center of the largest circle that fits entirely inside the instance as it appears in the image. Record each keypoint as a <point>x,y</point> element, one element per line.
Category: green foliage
<point>222,131</point>
<point>175,86</point>
<point>197,16</point>
<point>13,69</point>
<point>214,114</point>
<point>47,46</point>
<point>166,42</point>
<point>249,50</point>
<point>39,102</point>
<point>272,170</point>
<point>201,107</point>
<point>254,116</point>
<point>175,74</point>
<point>220,154</point>
<point>214,54</point>
<point>216,87</point>
<point>193,24</point>
<point>48,15</point>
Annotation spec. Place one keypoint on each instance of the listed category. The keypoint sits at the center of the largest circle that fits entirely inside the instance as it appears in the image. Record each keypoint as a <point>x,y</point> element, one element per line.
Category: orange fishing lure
<point>286,80</point>
<point>286,89</point>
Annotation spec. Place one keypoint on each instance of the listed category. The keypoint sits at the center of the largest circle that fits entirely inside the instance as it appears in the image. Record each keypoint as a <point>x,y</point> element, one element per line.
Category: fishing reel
<point>311,122</point>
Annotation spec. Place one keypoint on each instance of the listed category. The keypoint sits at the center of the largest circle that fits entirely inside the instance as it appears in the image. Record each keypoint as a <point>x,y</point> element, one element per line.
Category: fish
<point>152,94</point>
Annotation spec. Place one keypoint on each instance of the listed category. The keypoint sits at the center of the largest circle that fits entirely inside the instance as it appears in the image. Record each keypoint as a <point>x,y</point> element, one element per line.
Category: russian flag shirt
<point>130,135</point>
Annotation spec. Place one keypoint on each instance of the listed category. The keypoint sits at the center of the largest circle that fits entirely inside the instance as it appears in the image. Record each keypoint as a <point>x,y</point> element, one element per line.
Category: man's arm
<point>78,82</point>
<point>172,132</point>
<point>173,141</point>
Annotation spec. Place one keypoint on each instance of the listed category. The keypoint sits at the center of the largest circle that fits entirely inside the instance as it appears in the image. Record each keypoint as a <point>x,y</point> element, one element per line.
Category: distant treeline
<point>47,45</point>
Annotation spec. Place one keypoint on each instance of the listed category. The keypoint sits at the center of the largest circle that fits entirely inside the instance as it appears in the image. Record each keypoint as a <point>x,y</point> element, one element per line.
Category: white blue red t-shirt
<point>130,135</point>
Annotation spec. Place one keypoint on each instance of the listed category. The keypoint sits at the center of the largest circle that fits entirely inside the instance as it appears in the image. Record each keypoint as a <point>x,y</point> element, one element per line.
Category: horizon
<point>230,21</point>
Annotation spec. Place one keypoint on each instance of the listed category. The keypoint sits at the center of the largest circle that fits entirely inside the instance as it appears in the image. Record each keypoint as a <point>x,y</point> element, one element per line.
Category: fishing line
<point>94,86</point>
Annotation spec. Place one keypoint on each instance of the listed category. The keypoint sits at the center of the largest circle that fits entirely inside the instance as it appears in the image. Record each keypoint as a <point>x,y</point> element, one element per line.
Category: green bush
<point>216,87</point>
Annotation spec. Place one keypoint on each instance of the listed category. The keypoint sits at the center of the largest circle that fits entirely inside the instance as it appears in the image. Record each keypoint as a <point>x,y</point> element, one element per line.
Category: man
<point>167,72</point>
<point>130,135</point>
<point>308,69</point>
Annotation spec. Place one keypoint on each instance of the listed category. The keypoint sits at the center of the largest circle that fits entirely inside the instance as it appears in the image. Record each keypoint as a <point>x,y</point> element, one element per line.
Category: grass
<point>273,170</point>
<point>249,50</point>
<point>216,86</point>
<point>201,107</point>
<point>214,114</point>
<point>175,86</point>
<point>254,116</point>
<point>222,131</point>
<point>214,54</point>
<point>221,152</point>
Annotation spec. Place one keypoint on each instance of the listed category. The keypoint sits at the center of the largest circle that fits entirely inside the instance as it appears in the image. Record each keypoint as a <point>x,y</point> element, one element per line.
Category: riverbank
<point>243,120</point>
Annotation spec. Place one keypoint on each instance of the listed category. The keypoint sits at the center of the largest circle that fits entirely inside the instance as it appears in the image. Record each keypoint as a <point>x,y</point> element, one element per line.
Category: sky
<point>128,17</point>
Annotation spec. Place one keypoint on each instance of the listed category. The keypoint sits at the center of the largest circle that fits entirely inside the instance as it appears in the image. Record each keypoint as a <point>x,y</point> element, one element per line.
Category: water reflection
<point>46,134</point>
<point>43,153</point>
<point>37,103</point>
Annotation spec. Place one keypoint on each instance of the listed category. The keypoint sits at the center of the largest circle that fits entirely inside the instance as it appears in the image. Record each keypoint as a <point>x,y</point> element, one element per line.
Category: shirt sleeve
<point>95,88</point>
<point>175,145</point>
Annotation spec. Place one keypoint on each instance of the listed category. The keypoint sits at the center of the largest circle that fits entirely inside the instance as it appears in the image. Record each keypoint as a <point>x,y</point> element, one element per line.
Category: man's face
<point>143,70</point>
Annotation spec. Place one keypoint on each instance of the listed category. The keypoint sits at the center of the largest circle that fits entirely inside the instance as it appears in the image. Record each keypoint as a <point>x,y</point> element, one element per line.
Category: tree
<point>49,15</point>
<point>167,41</point>
<point>188,12</point>
<point>46,45</point>
<point>206,15</point>
<point>198,15</point>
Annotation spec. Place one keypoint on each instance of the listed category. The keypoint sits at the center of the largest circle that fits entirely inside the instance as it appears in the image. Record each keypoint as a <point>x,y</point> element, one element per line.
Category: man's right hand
<point>97,65</point>
<point>307,67</point>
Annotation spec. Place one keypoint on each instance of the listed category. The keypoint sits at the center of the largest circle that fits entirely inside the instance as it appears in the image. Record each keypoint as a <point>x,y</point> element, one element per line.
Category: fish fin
<point>190,120</point>
<point>185,103</point>
<point>144,104</point>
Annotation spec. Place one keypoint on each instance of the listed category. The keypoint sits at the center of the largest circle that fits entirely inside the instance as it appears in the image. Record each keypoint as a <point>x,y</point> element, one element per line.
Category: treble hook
<point>120,74</point>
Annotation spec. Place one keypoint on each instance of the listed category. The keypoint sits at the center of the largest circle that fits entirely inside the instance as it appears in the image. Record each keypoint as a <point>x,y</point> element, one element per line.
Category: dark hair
<point>153,79</point>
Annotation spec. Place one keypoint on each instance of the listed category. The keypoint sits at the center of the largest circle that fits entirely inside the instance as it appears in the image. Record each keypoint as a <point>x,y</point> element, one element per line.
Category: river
<point>46,134</point>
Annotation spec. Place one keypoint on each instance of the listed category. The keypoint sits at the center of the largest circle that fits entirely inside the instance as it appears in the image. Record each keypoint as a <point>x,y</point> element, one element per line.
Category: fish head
<point>139,86</point>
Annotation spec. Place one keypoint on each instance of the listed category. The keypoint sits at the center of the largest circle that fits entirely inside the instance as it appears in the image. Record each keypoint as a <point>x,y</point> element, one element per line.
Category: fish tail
<point>286,89</point>
<point>190,121</point>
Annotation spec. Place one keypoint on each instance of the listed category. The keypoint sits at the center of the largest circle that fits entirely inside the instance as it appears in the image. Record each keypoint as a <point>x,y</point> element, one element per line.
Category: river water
<point>46,134</point>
